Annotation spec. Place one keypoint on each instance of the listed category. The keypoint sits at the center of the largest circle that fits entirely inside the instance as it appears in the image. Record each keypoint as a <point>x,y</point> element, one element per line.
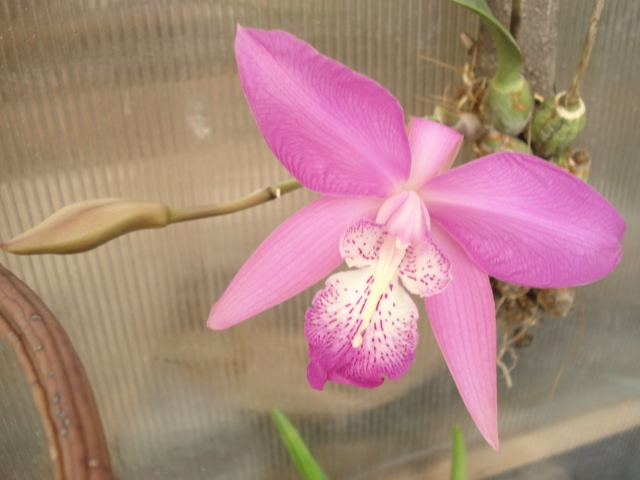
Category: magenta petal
<point>434,147</point>
<point>424,270</point>
<point>361,242</point>
<point>388,343</point>
<point>300,252</point>
<point>526,221</point>
<point>335,130</point>
<point>464,323</point>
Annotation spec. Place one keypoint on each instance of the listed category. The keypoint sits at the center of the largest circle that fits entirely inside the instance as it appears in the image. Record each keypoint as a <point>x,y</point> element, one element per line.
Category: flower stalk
<point>86,225</point>
<point>258,197</point>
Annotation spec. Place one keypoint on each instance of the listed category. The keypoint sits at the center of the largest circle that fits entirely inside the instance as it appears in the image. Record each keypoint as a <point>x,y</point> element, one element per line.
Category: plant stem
<point>537,38</point>
<point>573,94</point>
<point>516,19</point>
<point>256,198</point>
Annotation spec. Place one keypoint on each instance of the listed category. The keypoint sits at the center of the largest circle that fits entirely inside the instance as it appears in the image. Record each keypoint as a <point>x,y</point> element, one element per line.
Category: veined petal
<point>526,221</point>
<point>434,147</point>
<point>335,130</point>
<point>464,323</point>
<point>388,344</point>
<point>300,252</point>
<point>424,270</point>
<point>360,244</point>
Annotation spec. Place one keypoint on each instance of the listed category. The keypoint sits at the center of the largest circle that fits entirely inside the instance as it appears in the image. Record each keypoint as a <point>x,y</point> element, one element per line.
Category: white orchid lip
<point>423,268</point>
<point>363,323</point>
<point>389,259</point>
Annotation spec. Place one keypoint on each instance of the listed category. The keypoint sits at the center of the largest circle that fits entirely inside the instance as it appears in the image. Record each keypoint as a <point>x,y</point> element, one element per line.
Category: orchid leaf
<point>458,455</point>
<point>307,466</point>
<point>509,54</point>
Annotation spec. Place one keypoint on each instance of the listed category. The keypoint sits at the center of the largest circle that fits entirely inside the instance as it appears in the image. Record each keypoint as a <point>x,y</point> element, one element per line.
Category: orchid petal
<point>424,270</point>
<point>464,324</point>
<point>337,131</point>
<point>434,147</point>
<point>360,244</point>
<point>300,252</point>
<point>526,221</point>
<point>388,343</point>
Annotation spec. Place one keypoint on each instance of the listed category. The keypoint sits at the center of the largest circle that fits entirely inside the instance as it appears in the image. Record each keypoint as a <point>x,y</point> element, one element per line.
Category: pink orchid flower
<point>395,212</point>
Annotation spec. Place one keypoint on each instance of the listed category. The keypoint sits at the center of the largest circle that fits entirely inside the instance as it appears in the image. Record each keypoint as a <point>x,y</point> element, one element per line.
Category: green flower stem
<point>256,198</point>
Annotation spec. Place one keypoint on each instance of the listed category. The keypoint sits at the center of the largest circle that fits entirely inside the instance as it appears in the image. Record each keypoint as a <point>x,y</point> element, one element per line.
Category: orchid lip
<point>389,260</point>
<point>363,324</point>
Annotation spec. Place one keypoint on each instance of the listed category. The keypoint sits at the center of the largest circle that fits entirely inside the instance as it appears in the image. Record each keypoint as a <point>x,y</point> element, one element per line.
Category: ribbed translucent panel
<point>141,99</point>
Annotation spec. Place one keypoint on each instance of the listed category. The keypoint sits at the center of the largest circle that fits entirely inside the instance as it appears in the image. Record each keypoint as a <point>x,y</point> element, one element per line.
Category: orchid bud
<point>495,141</point>
<point>577,162</point>
<point>556,124</point>
<point>86,225</point>
<point>508,107</point>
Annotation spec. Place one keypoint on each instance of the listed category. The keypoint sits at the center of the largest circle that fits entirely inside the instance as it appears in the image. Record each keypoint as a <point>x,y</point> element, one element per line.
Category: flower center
<point>405,217</point>
<point>391,254</point>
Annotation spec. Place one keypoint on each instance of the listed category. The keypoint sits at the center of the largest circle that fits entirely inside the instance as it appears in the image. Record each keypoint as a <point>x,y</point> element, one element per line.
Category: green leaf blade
<point>307,466</point>
<point>458,455</point>
<point>509,54</point>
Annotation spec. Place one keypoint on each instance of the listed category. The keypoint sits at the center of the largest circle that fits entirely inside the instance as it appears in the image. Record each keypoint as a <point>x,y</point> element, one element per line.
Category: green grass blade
<point>308,467</point>
<point>509,55</point>
<point>458,455</point>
